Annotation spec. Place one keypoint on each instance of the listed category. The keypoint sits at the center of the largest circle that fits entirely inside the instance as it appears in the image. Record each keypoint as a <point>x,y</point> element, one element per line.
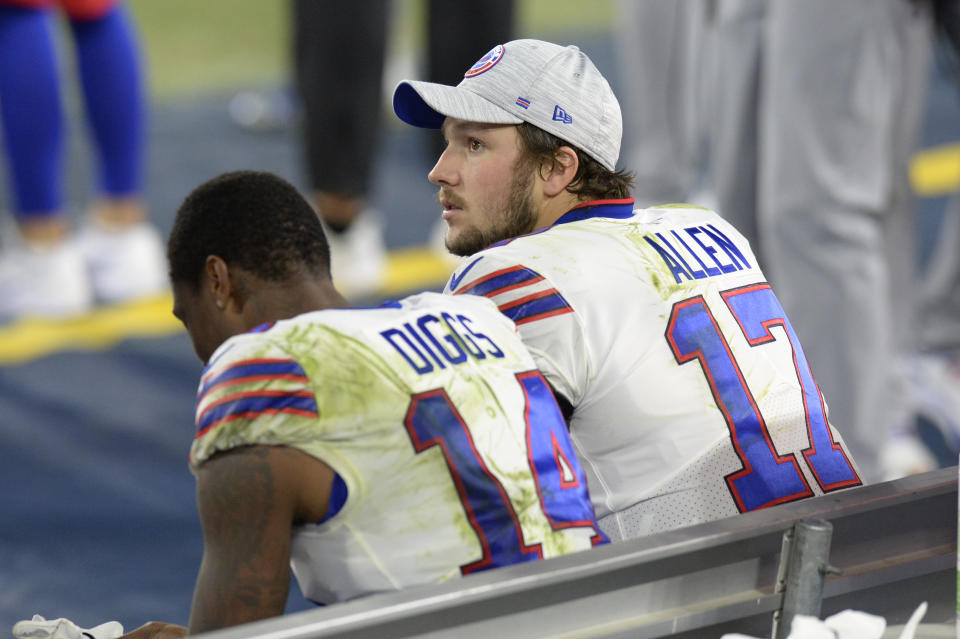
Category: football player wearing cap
<point>687,393</point>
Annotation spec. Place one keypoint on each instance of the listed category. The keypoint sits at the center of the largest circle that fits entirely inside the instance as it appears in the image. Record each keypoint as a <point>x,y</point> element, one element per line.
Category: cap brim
<point>425,105</point>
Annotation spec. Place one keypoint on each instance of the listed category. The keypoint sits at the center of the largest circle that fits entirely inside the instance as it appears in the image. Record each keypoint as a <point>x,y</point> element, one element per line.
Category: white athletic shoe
<point>264,111</point>
<point>40,628</point>
<point>358,256</point>
<point>905,454</point>
<point>935,391</point>
<point>48,281</point>
<point>124,264</point>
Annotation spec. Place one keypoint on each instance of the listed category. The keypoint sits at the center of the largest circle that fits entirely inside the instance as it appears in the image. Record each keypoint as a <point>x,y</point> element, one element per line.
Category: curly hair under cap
<point>593,181</point>
<point>251,219</point>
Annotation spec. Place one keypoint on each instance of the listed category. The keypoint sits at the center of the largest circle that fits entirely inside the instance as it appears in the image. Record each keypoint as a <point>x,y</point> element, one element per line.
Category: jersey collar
<point>594,208</point>
<point>598,208</point>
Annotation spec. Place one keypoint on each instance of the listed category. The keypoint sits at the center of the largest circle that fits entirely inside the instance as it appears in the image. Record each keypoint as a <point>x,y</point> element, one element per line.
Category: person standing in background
<point>815,117</point>
<point>663,52</point>
<point>805,117</point>
<point>339,50</point>
<point>934,371</point>
<point>117,255</point>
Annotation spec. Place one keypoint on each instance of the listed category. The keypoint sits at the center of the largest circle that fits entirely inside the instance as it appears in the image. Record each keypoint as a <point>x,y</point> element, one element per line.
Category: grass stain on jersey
<point>652,266</point>
<point>679,205</point>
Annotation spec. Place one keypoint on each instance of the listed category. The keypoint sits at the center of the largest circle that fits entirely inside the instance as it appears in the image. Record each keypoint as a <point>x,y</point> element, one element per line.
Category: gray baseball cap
<point>555,88</point>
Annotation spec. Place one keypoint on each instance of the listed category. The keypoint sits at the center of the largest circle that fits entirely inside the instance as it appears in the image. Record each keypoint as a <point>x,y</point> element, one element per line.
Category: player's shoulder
<point>276,348</point>
<point>691,217</point>
<point>456,308</point>
<point>493,269</point>
<point>678,206</point>
<point>436,302</point>
<point>676,212</point>
<point>248,355</point>
<point>555,257</point>
<point>251,345</point>
<point>582,239</point>
<point>360,327</point>
<point>248,386</point>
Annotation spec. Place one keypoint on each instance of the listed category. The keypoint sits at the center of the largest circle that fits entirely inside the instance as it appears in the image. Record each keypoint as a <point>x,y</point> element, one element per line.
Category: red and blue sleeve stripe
<point>501,281</point>
<point>252,404</point>
<point>252,370</point>
<point>536,307</point>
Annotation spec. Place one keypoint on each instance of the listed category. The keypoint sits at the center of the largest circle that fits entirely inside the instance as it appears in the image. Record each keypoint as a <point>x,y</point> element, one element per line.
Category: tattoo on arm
<point>247,518</point>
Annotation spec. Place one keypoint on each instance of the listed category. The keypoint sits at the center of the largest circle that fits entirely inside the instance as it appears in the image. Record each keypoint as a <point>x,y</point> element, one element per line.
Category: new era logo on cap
<point>559,115</point>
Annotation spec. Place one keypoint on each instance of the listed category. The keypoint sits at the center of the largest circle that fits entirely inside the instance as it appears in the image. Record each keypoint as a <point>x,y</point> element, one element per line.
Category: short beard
<point>519,218</point>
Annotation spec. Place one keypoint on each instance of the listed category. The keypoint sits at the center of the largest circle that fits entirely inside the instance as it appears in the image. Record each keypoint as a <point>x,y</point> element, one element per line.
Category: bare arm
<point>249,499</point>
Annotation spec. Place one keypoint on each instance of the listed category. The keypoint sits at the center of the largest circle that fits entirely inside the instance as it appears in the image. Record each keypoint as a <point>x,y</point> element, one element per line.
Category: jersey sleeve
<point>252,392</point>
<point>548,323</point>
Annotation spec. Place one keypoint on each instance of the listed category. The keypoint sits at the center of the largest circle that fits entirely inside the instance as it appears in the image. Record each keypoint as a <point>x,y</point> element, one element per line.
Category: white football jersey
<point>692,397</point>
<point>450,452</point>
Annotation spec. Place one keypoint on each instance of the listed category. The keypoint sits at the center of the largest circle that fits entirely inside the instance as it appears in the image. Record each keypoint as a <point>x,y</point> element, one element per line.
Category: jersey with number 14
<point>692,397</point>
<point>450,452</point>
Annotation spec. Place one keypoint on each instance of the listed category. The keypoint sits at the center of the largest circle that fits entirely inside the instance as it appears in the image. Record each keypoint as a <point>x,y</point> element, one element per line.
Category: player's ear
<point>560,174</point>
<point>218,280</point>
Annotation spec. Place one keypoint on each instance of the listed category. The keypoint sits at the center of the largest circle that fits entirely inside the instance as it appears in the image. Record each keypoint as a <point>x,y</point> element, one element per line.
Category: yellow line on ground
<point>30,338</point>
<point>935,171</point>
<point>415,269</point>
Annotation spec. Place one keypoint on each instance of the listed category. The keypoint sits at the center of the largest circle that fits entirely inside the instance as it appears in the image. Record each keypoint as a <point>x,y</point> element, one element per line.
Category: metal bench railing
<point>889,547</point>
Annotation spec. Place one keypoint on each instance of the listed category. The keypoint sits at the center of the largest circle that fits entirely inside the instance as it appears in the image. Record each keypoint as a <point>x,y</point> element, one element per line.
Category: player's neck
<point>552,209</point>
<point>285,300</point>
<point>321,295</point>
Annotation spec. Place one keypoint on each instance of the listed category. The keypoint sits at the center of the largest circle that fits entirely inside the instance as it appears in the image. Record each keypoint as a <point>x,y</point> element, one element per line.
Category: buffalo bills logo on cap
<point>486,63</point>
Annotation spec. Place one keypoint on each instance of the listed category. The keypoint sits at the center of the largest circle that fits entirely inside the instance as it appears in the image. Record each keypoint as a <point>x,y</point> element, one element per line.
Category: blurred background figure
<point>934,369</point>
<point>812,158</point>
<point>116,255</point>
<point>797,122</point>
<point>662,48</point>
<point>341,90</point>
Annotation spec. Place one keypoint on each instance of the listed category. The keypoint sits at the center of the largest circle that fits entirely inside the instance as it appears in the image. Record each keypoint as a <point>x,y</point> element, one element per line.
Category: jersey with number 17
<point>450,452</point>
<point>692,397</point>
